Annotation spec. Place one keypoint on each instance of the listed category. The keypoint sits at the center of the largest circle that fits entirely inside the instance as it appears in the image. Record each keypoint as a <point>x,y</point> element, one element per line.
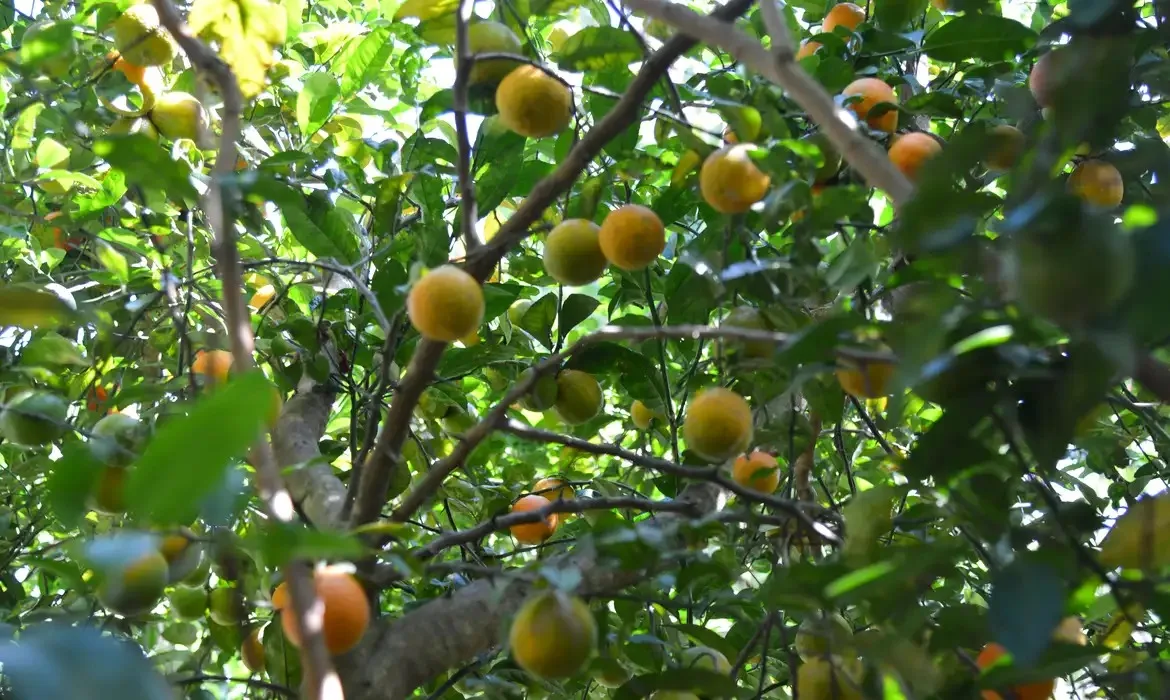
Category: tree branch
<point>780,67</point>
<point>320,681</point>
<point>464,61</point>
<point>387,453</point>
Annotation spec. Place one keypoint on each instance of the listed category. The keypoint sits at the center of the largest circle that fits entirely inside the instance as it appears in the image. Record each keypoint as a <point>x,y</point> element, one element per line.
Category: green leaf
<point>280,543</point>
<point>978,36</point>
<point>247,31</point>
<point>576,309</point>
<point>1026,605</point>
<point>315,102</point>
<point>71,480</point>
<point>426,9</point>
<point>949,447</point>
<point>147,164</point>
<point>113,261</point>
<point>538,319</point>
<point>31,308</point>
<point>52,350</point>
<point>111,192</point>
<point>51,40</point>
<point>366,60</point>
<point>189,455</point>
<point>26,124</point>
<point>338,243</point>
<point>595,48</point>
<point>50,153</point>
<point>338,225</point>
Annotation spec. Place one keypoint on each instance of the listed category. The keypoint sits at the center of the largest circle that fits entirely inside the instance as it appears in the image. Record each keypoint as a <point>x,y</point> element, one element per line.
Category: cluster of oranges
<point>543,492</point>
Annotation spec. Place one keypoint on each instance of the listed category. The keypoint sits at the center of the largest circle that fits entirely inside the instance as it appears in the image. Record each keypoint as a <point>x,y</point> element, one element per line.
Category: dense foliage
<point>927,421</point>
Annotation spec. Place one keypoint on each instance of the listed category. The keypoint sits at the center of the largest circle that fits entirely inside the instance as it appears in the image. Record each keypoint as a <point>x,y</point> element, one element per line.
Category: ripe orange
<point>346,615</point>
<point>632,237</point>
<point>869,381</point>
<point>807,48</point>
<point>553,489</point>
<point>757,471</point>
<point>1007,145</point>
<point>133,72</point>
<point>730,181</point>
<point>1041,690</point>
<point>96,398</point>
<point>213,363</point>
<point>718,424</point>
<point>280,596</point>
<point>873,92</point>
<point>446,304</point>
<point>1045,77</point>
<point>910,151</point>
<point>533,533</point>
<point>845,15</point>
<point>1098,183</point>
<point>252,651</point>
<point>641,415</point>
<point>532,103</point>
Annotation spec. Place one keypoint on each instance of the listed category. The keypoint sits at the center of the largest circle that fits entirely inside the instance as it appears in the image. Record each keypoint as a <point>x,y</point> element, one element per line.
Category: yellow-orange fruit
<point>552,635</point>
<point>807,48</point>
<point>730,181</point>
<point>133,72</point>
<point>537,532</point>
<point>832,678</point>
<point>346,611</point>
<point>1098,183</point>
<point>757,471</point>
<point>578,396</point>
<point>492,37</point>
<point>1040,690</point>
<point>572,252</point>
<point>213,363</point>
<point>845,15</point>
<point>280,596</point>
<point>553,489</point>
<point>718,424</point>
<point>1046,76</point>
<point>252,651</point>
<point>446,304</point>
<point>873,92</point>
<point>1007,145</point>
<point>632,237</point>
<point>910,151</point>
<point>870,381</point>
<point>262,296</point>
<point>141,38</point>
<point>641,415</point>
<point>533,103</point>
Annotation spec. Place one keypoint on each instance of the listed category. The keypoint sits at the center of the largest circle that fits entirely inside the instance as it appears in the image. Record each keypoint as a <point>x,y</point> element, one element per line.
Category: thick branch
<point>464,61</point>
<point>320,681</point>
<point>399,656</point>
<point>387,452</point>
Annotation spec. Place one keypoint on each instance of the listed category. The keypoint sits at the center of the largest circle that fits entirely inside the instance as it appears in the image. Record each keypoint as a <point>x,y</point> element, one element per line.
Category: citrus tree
<point>584,348</point>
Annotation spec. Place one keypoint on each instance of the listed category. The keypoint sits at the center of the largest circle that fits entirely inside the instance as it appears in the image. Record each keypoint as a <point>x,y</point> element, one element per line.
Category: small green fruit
<point>34,418</point>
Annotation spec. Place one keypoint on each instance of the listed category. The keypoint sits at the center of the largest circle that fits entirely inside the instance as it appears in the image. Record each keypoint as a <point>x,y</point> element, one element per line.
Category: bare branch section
<point>320,680</point>
<point>464,63</point>
<point>781,68</point>
<point>387,453</point>
<point>399,656</point>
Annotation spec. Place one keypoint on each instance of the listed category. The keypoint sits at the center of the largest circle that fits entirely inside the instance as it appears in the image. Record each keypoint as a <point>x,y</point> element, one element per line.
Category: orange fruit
<point>533,533</point>
<point>553,489</point>
<point>213,363</point>
<point>1007,144</point>
<point>757,471</point>
<point>642,415</point>
<point>252,651</point>
<point>807,48</point>
<point>552,635</point>
<point>1041,690</point>
<point>133,72</point>
<point>730,181</point>
<point>1045,77</point>
<point>96,398</point>
<point>718,424</point>
<point>532,103</point>
<point>873,92</point>
<point>1098,183</point>
<point>845,15</point>
<point>869,381</point>
<point>729,135</point>
<point>632,237</point>
<point>572,253</point>
<point>346,615</point>
<point>910,151</point>
<point>280,596</point>
<point>446,304</point>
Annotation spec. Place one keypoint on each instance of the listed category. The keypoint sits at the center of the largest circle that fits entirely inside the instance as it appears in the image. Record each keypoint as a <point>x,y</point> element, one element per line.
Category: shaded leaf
<point>595,48</point>
<point>978,36</point>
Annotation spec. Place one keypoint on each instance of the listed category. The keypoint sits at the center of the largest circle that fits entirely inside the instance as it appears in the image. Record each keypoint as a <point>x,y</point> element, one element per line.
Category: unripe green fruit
<point>34,418</point>
<point>752,319</point>
<point>137,588</point>
<point>543,394</point>
<point>517,310</point>
<point>818,635</point>
<point>116,439</point>
<point>492,37</point>
<point>578,396</point>
<point>223,607</point>
<point>188,603</point>
<point>178,115</point>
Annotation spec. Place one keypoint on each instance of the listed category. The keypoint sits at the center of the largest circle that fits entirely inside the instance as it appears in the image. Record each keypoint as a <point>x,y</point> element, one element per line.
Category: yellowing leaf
<point>689,161</point>
<point>426,9</point>
<point>247,31</point>
<point>1139,538</point>
<point>31,308</point>
<point>1121,626</point>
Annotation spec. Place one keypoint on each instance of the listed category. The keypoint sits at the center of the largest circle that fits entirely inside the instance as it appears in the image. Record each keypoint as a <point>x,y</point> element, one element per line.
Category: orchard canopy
<point>584,349</point>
